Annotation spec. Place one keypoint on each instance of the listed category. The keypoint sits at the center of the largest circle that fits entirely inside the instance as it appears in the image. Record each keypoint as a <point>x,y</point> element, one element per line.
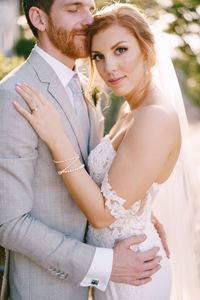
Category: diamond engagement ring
<point>34,109</point>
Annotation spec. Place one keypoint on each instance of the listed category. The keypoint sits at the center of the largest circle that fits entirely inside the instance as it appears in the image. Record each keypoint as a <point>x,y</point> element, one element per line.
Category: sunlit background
<point>180,22</point>
<point>180,19</point>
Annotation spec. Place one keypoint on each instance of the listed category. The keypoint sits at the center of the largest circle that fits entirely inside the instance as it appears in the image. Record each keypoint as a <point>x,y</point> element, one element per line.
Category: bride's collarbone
<point>119,131</point>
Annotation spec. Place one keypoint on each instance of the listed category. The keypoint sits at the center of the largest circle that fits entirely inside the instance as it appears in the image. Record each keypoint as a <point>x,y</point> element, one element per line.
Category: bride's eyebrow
<point>95,52</point>
<point>114,46</point>
<point>117,44</point>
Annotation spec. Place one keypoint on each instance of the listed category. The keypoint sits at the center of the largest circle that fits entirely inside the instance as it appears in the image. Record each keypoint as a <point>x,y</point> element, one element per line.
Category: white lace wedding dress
<point>135,220</point>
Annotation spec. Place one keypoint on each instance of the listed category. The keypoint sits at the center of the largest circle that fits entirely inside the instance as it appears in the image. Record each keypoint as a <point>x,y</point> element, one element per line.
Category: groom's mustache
<point>78,32</point>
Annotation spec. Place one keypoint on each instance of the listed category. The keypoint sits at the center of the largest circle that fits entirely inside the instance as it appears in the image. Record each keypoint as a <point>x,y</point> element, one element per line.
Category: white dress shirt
<point>99,272</point>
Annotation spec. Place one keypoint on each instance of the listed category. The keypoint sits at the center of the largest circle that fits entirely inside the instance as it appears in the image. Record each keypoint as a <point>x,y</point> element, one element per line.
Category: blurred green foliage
<point>23,47</point>
<point>111,112</point>
<point>7,64</point>
<point>187,26</point>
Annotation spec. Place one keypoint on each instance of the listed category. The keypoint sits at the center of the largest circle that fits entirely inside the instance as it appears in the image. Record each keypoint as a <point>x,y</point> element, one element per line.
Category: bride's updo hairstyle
<point>129,17</point>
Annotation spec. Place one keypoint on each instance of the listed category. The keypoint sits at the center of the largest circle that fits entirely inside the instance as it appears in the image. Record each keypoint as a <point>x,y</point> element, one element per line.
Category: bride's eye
<point>121,50</point>
<point>97,57</point>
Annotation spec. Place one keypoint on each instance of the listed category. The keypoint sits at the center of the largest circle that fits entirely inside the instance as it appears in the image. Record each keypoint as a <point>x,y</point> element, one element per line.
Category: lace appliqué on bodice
<point>100,160</point>
<point>135,220</point>
<point>128,221</point>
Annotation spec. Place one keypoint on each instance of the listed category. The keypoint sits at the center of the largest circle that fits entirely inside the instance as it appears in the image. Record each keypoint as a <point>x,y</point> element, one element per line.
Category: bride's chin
<point>118,93</point>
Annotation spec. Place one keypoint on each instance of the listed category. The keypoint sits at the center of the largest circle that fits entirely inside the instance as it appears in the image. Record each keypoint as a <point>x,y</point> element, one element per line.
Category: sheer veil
<point>176,205</point>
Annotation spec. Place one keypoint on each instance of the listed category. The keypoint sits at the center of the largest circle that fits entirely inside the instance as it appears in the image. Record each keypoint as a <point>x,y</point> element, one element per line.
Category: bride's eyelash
<point>97,57</point>
<point>121,50</point>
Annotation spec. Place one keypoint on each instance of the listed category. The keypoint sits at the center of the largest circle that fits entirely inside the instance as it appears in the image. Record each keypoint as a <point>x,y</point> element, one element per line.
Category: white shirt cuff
<point>99,272</point>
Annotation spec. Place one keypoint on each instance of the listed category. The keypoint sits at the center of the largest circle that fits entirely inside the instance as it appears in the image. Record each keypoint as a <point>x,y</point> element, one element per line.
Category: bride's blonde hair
<point>129,17</point>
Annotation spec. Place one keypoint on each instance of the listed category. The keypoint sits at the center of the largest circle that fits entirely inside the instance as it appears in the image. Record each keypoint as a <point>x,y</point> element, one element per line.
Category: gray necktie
<point>80,105</point>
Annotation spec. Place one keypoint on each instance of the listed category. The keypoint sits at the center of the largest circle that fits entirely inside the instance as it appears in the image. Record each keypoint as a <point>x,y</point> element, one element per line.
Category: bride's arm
<point>46,122</point>
<point>141,156</point>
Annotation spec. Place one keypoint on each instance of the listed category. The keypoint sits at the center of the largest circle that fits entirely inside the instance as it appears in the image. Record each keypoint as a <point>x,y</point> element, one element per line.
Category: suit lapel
<point>47,75</point>
<point>60,95</point>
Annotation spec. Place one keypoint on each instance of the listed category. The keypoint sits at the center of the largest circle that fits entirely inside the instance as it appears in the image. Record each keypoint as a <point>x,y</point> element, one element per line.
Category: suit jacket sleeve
<point>60,255</point>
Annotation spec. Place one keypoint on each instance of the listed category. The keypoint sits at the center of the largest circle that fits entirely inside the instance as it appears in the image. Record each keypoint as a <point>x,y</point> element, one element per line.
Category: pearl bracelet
<point>67,170</point>
<point>66,160</point>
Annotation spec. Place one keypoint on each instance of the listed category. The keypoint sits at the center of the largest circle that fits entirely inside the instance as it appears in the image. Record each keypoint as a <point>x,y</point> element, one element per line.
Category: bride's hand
<point>43,117</point>
<point>162,234</point>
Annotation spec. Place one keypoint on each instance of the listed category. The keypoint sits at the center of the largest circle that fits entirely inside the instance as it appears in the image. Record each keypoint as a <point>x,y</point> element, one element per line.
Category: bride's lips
<point>117,80</point>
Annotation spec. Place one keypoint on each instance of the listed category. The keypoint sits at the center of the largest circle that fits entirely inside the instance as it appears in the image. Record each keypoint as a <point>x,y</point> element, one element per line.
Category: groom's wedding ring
<point>34,109</point>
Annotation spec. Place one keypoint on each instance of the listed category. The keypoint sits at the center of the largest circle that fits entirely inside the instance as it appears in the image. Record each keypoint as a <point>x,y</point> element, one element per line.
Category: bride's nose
<point>110,65</point>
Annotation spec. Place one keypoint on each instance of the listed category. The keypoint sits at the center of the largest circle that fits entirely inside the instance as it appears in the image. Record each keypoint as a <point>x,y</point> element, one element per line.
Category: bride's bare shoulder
<point>156,121</point>
<point>157,113</point>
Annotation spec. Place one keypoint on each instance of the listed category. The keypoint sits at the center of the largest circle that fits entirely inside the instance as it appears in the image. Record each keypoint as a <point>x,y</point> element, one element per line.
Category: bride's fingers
<point>30,98</point>
<point>26,88</point>
<point>38,94</point>
<point>27,98</point>
<point>23,111</point>
<point>163,237</point>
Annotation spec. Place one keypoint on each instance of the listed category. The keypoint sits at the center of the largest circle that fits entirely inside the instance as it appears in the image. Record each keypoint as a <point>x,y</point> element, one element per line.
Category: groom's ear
<point>38,18</point>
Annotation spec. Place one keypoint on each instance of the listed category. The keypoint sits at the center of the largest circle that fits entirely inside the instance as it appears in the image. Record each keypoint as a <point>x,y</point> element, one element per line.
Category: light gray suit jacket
<point>40,225</point>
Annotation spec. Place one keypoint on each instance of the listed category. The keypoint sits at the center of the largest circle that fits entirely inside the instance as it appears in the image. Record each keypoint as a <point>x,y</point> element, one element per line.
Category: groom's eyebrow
<point>78,3</point>
<point>73,3</point>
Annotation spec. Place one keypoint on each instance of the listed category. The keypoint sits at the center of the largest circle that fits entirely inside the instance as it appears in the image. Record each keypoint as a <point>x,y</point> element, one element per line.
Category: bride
<point>134,162</point>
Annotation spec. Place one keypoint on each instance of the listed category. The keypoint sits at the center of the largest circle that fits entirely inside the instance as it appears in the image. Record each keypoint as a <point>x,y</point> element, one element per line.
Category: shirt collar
<point>64,73</point>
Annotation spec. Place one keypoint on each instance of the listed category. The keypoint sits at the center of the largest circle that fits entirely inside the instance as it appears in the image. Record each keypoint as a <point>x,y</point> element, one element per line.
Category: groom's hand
<point>135,268</point>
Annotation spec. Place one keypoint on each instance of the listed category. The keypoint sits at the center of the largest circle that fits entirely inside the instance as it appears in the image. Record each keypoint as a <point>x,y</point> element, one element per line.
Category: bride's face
<point>118,59</point>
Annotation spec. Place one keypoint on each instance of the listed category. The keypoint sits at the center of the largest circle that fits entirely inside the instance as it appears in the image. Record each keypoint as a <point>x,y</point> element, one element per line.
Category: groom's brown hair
<point>45,5</point>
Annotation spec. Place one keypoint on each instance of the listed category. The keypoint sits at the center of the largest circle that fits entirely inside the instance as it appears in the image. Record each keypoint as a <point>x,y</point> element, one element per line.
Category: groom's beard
<point>67,42</point>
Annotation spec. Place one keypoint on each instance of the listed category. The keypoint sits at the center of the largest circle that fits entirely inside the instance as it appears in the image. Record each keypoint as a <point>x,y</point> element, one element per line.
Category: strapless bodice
<point>128,221</point>
<point>135,220</point>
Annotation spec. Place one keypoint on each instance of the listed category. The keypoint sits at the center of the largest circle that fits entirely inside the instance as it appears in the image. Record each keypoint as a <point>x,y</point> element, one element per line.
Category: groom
<point>40,225</point>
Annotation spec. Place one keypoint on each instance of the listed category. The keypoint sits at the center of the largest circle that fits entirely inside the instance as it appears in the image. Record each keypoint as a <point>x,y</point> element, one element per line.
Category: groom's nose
<point>88,19</point>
